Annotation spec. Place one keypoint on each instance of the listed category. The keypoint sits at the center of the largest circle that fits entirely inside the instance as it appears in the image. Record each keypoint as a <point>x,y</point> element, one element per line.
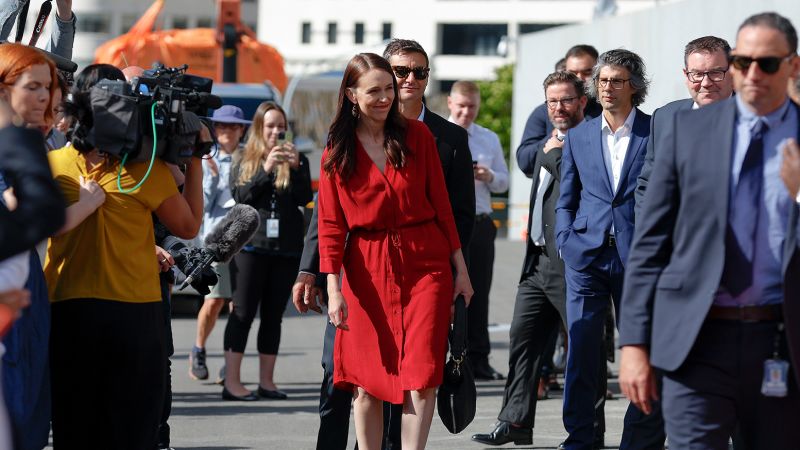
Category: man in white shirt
<point>600,165</point>
<point>491,176</point>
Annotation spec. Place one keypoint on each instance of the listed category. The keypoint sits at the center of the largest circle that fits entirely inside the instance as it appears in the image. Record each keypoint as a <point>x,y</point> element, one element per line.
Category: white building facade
<point>466,39</point>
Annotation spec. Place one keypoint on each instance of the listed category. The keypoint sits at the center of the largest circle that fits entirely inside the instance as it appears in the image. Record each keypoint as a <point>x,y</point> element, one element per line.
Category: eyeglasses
<point>420,73</point>
<point>713,75</point>
<point>615,83</point>
<point>767,64</point>
<point>567,101</point>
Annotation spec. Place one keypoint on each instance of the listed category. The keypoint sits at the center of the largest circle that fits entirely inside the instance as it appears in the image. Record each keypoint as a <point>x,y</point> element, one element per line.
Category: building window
<point>332,32</point>
<point>180,22</point>
<point>472,39</point>
<point>94,23</point>
<point>387,31</point>
<point>305,36</point>
<point>204,22</point>
<point>358,37</point>
<point>525,28</point>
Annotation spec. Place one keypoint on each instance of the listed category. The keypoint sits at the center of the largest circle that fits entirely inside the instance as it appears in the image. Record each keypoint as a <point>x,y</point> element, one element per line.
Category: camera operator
<point>106,302</point>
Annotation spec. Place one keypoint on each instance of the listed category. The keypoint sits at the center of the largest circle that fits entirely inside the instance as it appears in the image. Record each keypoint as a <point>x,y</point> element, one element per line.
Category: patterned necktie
<point>743,212</point>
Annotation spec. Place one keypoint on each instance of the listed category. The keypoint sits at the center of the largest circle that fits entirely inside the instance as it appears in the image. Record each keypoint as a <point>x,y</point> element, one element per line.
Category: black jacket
<point>40,210</point>
<point>258,193</point>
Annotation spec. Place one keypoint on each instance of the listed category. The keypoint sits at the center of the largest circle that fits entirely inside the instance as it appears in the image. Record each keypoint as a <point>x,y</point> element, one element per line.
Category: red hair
<point>15,59</point>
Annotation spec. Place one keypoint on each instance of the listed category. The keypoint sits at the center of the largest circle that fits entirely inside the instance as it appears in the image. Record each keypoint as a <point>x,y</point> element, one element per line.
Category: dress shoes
<point>504,433</point>
<point>485,372</point>
<point>273,395</point>
<point>226,395</point>
<point>598,443</point>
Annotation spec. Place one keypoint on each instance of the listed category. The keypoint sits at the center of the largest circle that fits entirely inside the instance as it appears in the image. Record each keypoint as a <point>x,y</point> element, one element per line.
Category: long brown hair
<point>255,148</point>
<point>342,134</point>
<point>15,59</point>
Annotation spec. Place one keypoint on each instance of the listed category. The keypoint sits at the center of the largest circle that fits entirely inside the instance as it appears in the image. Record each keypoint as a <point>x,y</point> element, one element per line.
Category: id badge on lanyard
<point>273,228</point>
<point>776,371</point>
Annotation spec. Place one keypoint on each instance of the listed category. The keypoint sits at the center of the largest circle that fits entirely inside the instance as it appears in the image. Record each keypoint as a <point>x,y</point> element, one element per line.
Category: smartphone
<point>285,136</point>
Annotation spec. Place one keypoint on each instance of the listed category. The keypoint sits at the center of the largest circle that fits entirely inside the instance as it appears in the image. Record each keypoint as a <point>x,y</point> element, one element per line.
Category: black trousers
<point>264,280</point>
<point>481,267</point>
<point>334,408</point>
<point>539,311</point>
<point>718,388</point>
<point>107,362</point>
<point>166,408</point>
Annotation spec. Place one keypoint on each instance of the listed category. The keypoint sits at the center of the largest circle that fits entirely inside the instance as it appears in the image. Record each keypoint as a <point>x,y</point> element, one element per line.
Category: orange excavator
<point>230,53</point>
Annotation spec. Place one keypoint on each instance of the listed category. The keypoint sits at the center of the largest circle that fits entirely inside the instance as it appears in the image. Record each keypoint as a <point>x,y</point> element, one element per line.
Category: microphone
<point>211,101</point>
<point>226,239</point>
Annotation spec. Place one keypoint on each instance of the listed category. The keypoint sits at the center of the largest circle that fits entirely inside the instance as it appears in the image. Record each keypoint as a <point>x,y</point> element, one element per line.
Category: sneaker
<point>221,377</point>
<point>197,364</point>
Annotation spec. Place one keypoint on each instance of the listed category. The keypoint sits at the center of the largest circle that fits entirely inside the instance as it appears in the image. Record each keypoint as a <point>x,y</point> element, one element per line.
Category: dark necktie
<point>743,212</point>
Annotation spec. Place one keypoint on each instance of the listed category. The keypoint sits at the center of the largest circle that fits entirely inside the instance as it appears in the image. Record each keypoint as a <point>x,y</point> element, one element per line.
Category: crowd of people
<point>680,227</point>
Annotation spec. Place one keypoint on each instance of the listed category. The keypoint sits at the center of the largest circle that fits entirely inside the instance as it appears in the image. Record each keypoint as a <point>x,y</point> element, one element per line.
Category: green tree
<point>495,112</point>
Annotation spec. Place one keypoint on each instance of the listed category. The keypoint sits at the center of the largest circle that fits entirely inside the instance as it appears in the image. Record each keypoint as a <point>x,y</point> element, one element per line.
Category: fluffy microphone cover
<point>232,232</point>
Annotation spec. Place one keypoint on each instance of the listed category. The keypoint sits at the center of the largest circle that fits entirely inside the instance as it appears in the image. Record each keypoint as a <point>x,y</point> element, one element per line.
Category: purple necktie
<point>743,212</point>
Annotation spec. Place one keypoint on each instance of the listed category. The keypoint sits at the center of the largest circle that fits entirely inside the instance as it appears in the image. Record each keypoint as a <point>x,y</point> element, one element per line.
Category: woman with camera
<point>273,177</point>
<point>107,338</point>
<point>382,191</point>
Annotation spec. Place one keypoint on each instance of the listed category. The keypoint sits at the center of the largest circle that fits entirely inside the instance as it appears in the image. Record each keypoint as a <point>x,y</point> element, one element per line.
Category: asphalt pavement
<point>202,420</point>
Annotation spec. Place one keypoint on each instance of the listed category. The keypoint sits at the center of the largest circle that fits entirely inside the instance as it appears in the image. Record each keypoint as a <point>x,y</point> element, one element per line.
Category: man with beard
<point>540,308</point>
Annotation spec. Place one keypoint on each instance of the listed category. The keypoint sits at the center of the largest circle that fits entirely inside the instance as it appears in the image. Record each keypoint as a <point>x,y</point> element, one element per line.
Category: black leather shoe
<point>226,395</point>
<point>598,443</point>
<point>274,395</point>
<point>504,433</point>
<point>485,372</point>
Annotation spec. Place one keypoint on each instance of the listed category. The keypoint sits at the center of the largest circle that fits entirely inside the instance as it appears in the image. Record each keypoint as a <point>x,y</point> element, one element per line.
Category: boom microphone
<point>227,238</point>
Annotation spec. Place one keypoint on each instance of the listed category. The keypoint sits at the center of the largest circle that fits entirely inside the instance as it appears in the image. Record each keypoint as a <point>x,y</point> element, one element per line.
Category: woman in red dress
<point>382,190</point>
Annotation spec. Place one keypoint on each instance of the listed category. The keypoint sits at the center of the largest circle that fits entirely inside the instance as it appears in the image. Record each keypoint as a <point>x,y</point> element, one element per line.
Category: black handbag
<point>457,395</point>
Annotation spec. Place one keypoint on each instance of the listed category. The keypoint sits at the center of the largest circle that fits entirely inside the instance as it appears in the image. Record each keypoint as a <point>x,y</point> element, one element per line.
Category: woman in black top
<point>274,178</point>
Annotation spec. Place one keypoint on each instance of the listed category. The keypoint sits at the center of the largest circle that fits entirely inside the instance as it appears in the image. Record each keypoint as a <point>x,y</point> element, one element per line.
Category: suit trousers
<point>481,267</point>
<point>718,387</point>
<point>335,404</point>
<point>590,292</point>
<point>539,310</point>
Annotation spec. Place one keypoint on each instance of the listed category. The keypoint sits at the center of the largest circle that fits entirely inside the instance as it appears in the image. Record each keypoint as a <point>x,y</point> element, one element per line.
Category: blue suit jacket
<point>588,205</point>
<point>678,251</point>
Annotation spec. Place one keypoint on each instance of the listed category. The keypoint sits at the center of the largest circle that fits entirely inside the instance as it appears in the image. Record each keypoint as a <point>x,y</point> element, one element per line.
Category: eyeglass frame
<point>707,73</point>
<point>603,82</point>
<point>418,72</point>
<point>566,101</point>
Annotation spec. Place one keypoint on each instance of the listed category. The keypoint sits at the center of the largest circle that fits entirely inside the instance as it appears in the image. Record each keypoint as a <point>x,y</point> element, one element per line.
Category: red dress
<point>398,281</point>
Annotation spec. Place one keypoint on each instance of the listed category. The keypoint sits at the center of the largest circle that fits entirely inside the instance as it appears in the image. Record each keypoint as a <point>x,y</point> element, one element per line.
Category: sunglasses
<point>420,73</point>
<point>767,64</point>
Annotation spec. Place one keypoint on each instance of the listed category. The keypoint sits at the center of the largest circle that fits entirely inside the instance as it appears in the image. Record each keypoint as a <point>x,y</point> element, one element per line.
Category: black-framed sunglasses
<point>420,73</point>
<point>767,64</point>
<point>713,75</point>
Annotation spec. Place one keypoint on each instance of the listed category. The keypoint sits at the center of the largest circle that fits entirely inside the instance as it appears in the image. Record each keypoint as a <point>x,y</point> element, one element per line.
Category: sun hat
<point>230,114</point>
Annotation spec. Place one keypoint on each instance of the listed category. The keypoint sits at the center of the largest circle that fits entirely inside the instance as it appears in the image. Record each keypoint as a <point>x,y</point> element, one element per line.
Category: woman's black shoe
<point>274,395</point>
<point>504,433</point>
<point>226,395</point>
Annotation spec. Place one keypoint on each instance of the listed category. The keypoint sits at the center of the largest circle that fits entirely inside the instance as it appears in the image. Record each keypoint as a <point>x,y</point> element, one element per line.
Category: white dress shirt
<point>544,180</point>
<point>615,147</point>
<point>487,151</point>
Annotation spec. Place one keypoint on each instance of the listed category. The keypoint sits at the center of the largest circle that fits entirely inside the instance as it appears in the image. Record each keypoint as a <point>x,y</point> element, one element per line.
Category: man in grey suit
<point>713,278</point>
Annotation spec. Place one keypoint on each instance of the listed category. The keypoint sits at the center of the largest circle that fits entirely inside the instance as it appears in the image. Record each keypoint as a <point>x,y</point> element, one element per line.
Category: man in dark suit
<point>706,70</point>
<point>601,161</point>
<point>540,308</point>
<point>707,79</point>
<point>713,277</point>
<point>579,61</point>
<point>411,68</point>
